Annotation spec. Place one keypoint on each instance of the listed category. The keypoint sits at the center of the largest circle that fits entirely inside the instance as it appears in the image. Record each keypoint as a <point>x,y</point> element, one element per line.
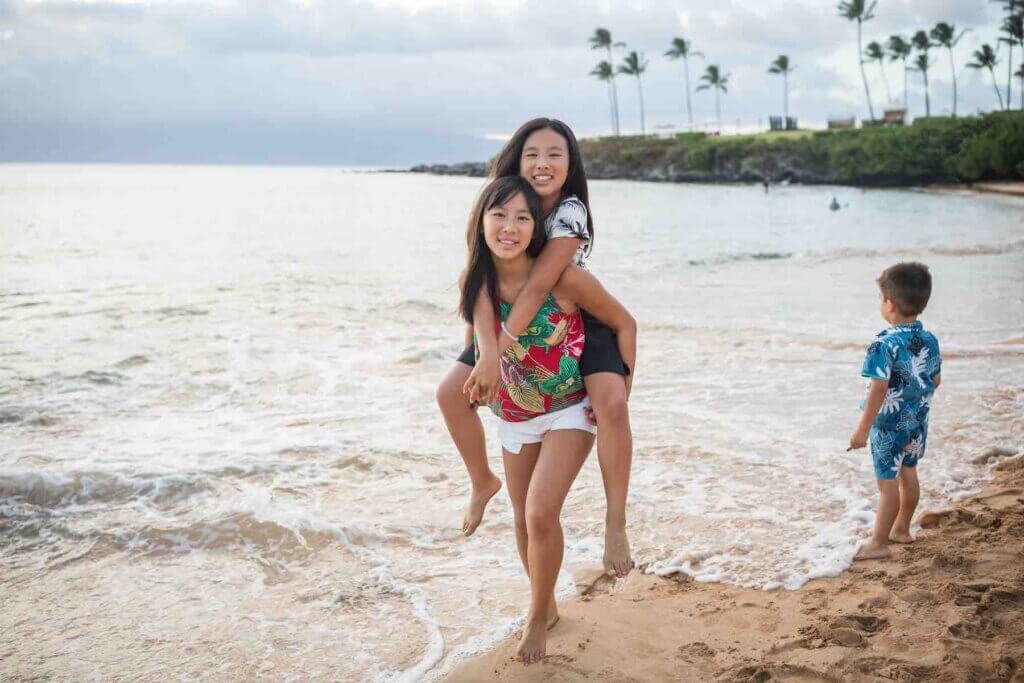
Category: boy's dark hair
<point>480,272</point>
<point>908,285</point>
<point>507,161</point>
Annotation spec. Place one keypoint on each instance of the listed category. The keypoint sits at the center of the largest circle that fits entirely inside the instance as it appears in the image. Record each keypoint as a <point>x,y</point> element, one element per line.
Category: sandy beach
<point>1009,188</point>
<point>949,607</point>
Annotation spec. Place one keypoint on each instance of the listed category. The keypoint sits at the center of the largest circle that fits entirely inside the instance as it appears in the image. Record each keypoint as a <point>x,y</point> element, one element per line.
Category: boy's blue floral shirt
<point>907,356</point>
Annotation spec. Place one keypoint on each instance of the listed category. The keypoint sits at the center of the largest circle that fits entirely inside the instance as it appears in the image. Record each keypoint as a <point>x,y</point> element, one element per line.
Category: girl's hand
<point>859,439</point>
<point>484,382</point>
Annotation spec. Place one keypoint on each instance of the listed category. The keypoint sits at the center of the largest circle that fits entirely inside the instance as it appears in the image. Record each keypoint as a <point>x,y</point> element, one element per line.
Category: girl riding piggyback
<point>544,152</point>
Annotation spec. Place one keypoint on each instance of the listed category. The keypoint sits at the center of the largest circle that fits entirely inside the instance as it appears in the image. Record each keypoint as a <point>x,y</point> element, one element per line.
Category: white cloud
<point>467,67</point>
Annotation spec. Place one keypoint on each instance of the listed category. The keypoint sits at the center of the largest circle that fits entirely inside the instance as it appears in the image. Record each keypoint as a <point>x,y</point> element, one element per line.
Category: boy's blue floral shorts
<point>893,450</point>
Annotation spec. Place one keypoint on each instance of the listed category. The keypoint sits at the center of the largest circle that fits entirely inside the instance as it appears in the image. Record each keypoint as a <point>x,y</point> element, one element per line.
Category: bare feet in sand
<point>477,503</point>
<point>902,537</point>
<point>531,647</point>
<point>872,551</point>
<point>552,613</point>
<point>617,560</point>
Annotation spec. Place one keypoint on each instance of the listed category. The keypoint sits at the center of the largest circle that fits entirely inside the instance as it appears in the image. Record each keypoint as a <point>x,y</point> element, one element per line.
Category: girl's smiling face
<point>545,162</point>
<point>508,227</point>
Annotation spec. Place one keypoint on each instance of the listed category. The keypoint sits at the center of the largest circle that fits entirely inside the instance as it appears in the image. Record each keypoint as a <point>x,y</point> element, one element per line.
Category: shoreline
<point>1003,188</point>
<point>944,607</point>
<point>1007,188</point>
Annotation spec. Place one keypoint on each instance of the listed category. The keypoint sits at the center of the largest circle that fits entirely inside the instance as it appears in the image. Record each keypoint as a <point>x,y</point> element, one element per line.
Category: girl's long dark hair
<point>507,161</point>
<point>480,272</point>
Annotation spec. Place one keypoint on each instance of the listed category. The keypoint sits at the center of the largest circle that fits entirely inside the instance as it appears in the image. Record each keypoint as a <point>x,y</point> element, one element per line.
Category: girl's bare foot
<point>870,550</point>
<point>903,537</point>
<point>477,504</point>
<point>552,613</point>
<point>532,646</point>
<point>617,560</point>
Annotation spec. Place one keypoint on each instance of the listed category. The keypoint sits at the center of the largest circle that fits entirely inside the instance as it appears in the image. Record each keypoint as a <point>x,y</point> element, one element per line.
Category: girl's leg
<point>518,470</point>
<point>877,547</point>
<point>607,392</point>
<point>561,456</point>
<point>467,431</point>
<point>910,493</point>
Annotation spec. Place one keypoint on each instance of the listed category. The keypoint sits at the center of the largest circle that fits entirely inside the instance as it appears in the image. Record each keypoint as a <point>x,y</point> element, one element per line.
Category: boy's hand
<point>484,382</point>
<point>859,439</point>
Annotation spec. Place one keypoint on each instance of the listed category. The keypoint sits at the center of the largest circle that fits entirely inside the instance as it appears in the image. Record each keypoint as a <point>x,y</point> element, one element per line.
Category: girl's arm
<point>552,262</point>
<point>483,382</point>
<point>587,291</point>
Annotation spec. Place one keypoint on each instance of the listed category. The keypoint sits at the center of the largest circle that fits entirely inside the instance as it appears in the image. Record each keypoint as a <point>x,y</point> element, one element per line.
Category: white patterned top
<point>569,219</point>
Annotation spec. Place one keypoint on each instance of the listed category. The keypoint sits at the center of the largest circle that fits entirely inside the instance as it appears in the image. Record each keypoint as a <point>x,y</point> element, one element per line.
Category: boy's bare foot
<point>532,646</point>
<point>870,550</point>
<point>617,560</point>
<point>902,537</point>
<point>477,504</point>
<point>552,614</point>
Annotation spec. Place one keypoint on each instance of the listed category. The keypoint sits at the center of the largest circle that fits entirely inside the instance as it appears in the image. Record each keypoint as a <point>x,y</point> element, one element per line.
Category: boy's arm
<point>552,262</point>
<point>587,291</point>
<point>937,379</point>
<point>876,395</point>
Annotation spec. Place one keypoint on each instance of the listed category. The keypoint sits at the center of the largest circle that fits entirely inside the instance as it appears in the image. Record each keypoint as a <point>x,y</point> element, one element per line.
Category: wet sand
<point>950,607</point>
<point>1015,189</point>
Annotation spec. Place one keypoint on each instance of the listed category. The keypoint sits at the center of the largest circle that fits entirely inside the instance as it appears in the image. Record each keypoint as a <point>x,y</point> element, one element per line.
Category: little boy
<point>903,367</point>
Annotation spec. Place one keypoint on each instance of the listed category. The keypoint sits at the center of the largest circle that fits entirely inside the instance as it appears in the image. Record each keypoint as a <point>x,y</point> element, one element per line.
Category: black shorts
<point>600,350</point>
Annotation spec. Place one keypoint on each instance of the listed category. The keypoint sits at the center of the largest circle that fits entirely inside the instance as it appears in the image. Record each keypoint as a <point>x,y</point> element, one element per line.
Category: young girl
<point>544,430</point>
<point>545,153</point>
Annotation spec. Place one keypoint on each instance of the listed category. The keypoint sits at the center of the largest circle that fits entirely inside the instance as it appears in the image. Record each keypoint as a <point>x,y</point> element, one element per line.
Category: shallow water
<point>219,451</point>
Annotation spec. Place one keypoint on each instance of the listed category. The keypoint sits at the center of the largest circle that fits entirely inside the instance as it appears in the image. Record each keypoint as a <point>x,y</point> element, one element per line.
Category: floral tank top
<point>541,372</point>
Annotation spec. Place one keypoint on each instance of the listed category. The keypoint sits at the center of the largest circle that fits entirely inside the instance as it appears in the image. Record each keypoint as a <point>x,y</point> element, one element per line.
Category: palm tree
<point>1011,7</point>
<point>633,65</point>
<point>985,58</point>
<point>781,66</point>
<point>875,53</point>
<point>945,35</point>
<point>1013,27</point>
<point>860,11</point>
<point>900,49</point>
<point>714,79</point>
<point>604,72</point>
<point>602,40</point>
<point>922,64</point>
<point>681,48</point>
<point>923,43</point>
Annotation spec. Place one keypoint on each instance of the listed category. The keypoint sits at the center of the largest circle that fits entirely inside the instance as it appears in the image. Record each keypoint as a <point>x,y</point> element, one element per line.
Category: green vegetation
<point>963,149</point>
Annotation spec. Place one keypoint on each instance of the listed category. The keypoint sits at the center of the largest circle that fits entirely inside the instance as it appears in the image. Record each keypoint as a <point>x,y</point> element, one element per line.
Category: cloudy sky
<point>382,82</point>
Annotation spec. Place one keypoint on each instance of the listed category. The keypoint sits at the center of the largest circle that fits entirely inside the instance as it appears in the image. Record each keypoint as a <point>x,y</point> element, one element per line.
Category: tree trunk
<point>611,105</point>
<point>906,105</point>
<point>885,80</point>
<point>689,108</point>
<point>718,110</point>
<point>615,93</point>
<point>785,97</point>
<point>1009,68</point>
<point>640,89</point>
<point>927,99</point>
<point>952,70</point>
<point>864,76</point>
<point>995,85</point>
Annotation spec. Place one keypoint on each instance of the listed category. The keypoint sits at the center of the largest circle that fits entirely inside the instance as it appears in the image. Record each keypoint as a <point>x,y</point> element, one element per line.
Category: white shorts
<point>513,435</point>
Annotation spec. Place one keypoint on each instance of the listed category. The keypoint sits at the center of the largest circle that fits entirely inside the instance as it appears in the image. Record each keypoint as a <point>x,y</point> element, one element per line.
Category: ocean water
<point>220,456</point>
